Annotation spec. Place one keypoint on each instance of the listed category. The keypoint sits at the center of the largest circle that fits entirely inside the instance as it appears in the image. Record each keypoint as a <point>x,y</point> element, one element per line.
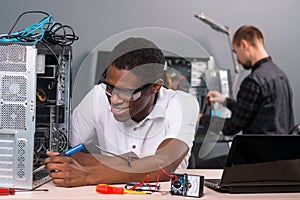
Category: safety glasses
<point>123,93</point>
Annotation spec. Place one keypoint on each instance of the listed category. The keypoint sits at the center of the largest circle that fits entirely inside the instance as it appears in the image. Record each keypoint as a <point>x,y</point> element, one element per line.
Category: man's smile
<point>119,111</point>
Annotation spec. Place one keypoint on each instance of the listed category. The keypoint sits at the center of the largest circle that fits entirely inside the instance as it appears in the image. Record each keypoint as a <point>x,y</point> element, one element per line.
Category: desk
<point>88,192</point>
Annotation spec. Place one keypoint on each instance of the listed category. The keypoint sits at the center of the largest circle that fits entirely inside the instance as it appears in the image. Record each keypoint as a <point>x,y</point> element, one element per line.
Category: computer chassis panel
<point>35,110</point>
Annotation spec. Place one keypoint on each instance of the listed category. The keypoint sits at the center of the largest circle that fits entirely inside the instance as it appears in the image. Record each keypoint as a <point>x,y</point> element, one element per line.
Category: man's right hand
<point>215,96</point>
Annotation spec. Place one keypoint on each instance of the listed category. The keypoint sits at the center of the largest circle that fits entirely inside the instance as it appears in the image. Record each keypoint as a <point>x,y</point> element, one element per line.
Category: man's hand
<point>89,169</point>
<point>215,96</point>
<point>65,171</point>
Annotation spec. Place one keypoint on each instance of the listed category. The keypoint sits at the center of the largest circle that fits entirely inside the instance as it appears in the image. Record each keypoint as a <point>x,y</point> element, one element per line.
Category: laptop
<point>260,163</point>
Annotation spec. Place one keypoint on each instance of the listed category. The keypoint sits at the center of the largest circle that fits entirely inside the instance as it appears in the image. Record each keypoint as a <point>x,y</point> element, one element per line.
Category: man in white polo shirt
<point>139,125</point>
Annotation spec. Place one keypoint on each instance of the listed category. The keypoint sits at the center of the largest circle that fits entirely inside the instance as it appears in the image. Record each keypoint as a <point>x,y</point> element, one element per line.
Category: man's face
<point>242,56</point>
<point>125,102</point>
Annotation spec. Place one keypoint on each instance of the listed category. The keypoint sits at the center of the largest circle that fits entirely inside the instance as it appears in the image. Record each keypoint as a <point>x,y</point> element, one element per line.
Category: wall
<point>96,20</point>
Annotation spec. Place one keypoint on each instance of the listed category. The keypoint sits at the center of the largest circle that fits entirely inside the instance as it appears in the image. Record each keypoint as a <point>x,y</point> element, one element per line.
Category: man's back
<point>275,114</point>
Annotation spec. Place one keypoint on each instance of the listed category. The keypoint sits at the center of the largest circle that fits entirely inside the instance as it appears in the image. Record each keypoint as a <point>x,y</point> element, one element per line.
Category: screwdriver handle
<point>107,189</point>
<point>7,191</point>
<point>73,150</point>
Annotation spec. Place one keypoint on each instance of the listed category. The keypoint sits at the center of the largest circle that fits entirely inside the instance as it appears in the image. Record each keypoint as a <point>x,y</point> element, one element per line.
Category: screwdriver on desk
<point>7,191</point>
<point>68,152</point>
<point>12,191</point>
<point>107,189</point>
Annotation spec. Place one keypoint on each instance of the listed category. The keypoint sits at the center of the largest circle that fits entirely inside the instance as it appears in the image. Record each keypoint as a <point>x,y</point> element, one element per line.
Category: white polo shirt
<point>173,116</point>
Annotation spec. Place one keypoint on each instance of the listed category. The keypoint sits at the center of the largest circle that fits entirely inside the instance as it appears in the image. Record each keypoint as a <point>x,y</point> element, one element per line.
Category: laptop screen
<point>248,149</point>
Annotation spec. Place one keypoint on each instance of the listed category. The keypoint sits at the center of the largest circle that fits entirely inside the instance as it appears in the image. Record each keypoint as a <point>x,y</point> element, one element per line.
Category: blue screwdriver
<point>68,152</point>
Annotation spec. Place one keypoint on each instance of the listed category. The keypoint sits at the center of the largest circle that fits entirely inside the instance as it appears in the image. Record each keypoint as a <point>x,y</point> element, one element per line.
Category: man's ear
<point>244,44</point>
<point>157,85</point>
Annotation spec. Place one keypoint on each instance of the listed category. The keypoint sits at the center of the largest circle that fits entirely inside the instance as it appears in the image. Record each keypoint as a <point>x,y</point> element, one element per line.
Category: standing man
<point>264,100</point>
<point>140,126</point>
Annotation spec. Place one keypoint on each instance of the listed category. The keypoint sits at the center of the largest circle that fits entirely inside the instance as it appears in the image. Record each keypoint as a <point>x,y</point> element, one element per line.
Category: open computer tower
<point>35,110</point>
<point>197,76</point>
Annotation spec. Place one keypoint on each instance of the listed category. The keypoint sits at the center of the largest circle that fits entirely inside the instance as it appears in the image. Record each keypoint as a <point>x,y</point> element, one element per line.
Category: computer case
<point>35,96</point>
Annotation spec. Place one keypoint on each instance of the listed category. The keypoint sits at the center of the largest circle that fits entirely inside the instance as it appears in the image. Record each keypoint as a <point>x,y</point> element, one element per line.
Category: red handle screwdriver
<point>107,189</point>
<point>12,191</point>
<point>7,191</point>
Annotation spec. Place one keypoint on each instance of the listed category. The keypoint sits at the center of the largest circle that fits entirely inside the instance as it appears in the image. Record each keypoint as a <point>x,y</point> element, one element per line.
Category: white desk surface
<point>88,192</point>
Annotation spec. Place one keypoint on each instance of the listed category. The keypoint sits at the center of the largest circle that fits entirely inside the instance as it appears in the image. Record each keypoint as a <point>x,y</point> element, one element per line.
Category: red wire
<point>146,179</point>
<point>157,179</point>
<point>140,183</point>
<point>166,173</point>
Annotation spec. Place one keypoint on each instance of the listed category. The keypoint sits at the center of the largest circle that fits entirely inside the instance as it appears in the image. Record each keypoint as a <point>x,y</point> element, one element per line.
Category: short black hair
<point>141,55</point>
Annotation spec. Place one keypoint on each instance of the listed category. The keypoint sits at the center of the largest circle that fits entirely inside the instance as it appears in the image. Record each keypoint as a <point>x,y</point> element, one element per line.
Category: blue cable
<point>28,31</point>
